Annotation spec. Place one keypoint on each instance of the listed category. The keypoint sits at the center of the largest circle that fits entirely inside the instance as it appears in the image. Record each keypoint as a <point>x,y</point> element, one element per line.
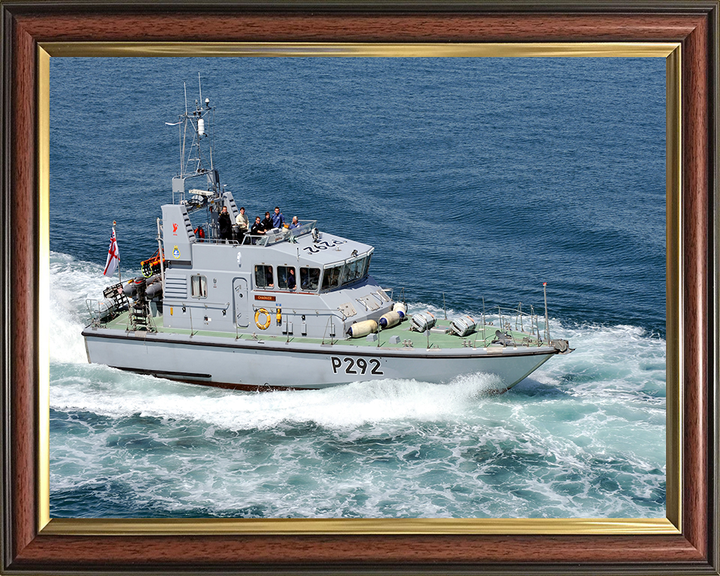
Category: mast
<point>183,133</point>
<point>195,160</point>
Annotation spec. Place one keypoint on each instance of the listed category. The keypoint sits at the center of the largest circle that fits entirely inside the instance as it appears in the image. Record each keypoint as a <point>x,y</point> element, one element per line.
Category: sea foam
<point>582,436</point>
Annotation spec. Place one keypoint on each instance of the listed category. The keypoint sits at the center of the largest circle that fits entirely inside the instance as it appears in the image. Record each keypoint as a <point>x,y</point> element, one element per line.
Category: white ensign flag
<point>113,256</point>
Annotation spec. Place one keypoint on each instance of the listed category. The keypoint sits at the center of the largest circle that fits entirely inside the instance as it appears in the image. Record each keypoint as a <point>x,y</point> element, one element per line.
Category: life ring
<point>267,319</point>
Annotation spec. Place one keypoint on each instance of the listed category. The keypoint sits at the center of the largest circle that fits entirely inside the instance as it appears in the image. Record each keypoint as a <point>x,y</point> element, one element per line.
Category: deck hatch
<point>369,302</point>
<point>348,309</point>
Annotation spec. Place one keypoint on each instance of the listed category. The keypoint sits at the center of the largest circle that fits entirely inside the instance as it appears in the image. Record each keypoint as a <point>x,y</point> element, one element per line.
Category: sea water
<point>476,179</point>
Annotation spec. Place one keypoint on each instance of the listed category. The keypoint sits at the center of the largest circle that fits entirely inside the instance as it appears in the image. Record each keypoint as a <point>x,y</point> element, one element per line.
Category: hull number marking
<point>322,245</point>
<point>356,365</point>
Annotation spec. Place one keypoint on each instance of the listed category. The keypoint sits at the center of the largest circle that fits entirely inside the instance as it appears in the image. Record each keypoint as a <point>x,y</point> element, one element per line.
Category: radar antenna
<point>196,158</point>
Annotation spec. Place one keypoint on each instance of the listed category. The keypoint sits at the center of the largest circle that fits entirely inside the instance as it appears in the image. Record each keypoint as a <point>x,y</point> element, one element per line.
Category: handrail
<point>297,310</point>
<point>198,304</point>
<point>276,235</point>
<point>260,240</point>
<point>506,317</point>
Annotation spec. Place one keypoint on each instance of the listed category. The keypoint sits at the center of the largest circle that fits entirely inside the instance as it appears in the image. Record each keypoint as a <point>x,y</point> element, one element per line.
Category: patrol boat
<point>229,310</point>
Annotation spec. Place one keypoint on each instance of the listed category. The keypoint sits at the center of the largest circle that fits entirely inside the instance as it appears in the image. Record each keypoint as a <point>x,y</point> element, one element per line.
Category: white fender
<point>390,319</point>
<point>360,329</point>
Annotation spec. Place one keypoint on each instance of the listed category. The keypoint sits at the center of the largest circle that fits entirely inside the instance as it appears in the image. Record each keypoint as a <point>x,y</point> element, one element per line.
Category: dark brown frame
<point>25,549</point>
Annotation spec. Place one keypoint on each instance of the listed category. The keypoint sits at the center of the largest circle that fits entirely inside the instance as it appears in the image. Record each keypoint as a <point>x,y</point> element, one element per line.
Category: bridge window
<point>264,277</point>
<point>309,279</point>
<point>354,270</point>
<point>343,274</point>
<point>331,277</point>
<point>349,272</point>
<point>287,279</point>
<point>366,266</point>
<point>198,286</point>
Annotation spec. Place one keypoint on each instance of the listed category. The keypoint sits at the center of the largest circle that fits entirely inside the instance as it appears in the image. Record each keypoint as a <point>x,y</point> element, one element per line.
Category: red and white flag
<point>113,256</point>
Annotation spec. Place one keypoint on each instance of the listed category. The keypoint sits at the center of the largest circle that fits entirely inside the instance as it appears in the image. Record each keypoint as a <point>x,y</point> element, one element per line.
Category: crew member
<point>291,279</point>
<point>242,224</point>
<point>267,222</point>
<point>277,218</point>
<point>257,228</point>
<point>224,224</point>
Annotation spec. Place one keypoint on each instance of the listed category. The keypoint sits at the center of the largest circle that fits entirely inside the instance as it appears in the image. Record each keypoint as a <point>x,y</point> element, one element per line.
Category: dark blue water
<point>473,178</point>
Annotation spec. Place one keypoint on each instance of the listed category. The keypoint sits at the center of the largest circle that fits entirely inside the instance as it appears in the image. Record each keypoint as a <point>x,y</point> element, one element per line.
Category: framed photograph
<point>644,227</point>
<point>392,442</point>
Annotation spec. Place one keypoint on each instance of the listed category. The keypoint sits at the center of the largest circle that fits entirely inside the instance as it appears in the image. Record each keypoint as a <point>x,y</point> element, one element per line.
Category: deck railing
<point>279,234</point>
<point>270,237</point>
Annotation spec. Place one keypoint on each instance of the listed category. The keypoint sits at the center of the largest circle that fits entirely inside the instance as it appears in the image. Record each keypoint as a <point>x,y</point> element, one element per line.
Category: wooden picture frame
<point>687,541</point>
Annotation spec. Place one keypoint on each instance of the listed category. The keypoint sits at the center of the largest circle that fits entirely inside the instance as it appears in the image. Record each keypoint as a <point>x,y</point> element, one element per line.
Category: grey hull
<point>248,363</point>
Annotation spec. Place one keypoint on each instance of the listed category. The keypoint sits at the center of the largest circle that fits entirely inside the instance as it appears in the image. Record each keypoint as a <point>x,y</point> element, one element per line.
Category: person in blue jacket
<point>277,218</point>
